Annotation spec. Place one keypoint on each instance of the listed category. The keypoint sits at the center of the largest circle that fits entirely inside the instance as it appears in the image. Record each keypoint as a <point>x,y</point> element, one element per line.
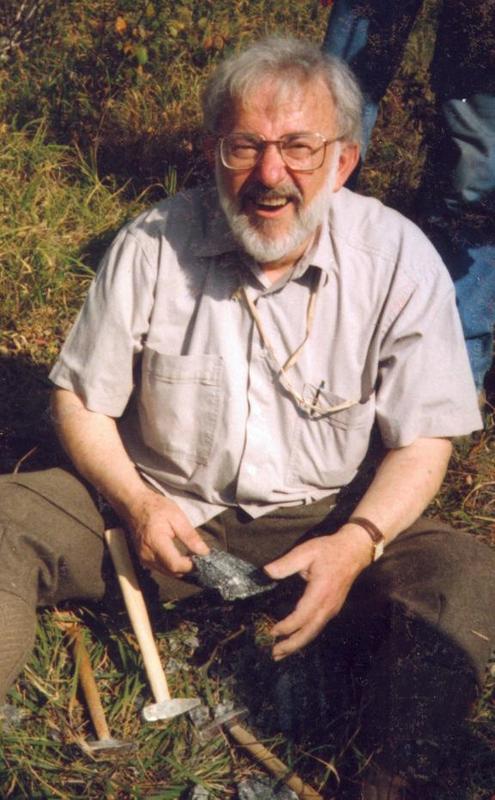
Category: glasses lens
<point>299,151</point>
<point>305,151</point>
<point>240,151</point>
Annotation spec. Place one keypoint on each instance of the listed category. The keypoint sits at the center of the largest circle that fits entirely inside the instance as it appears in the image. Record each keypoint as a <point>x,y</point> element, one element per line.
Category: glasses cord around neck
<point>310,313</point>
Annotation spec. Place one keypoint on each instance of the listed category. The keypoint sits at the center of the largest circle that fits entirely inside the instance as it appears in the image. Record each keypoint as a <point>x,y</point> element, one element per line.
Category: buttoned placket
<point>252,480</point>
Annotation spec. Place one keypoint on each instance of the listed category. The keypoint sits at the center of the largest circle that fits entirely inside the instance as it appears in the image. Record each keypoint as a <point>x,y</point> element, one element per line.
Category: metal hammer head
<point>109,748</point>
<point>223,715</point>
<point>167,709</point>
<point>233,577</point>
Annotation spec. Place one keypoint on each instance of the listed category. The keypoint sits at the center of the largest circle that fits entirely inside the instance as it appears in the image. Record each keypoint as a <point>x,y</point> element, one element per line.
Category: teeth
<point>275,202</point>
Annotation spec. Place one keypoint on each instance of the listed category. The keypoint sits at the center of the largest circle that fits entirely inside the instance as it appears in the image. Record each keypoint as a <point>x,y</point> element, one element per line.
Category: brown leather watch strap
<point>374,533</point>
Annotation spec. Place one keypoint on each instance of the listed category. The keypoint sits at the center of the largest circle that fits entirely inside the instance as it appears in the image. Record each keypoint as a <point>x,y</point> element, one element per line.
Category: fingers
<point>311,614</point>
<point>297,560</point>
<point>329,571</point>
<point>159,552</point>
<point>163,536</point>
<point>182,529</point>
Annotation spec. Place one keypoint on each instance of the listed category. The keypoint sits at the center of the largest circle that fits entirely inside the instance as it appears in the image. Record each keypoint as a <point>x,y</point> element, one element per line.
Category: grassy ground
<point>98,118</point>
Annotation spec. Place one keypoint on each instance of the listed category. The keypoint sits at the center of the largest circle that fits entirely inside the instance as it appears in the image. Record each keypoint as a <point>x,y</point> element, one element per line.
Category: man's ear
<point>348,160</point>
<point>209,147</point>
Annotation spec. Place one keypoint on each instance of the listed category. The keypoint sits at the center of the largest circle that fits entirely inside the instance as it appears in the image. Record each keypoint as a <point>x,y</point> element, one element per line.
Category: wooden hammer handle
<point>138,613</point>
<point>88,683</point>
<point>272,763</point>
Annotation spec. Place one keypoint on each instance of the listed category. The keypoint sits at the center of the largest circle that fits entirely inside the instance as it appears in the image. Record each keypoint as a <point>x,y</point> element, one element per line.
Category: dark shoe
<point>380,785</point>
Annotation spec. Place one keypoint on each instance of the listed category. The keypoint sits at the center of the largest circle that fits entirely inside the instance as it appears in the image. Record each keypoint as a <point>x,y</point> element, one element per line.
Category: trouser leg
<point>410,647</point>
<point>17,632</point>
<point>370,36</point>
<point>458,203</point>
<point>425,618</point>
<point>423,613</point>
<point>458,197</point>
<point>51,549</point>
<point>416,632</point>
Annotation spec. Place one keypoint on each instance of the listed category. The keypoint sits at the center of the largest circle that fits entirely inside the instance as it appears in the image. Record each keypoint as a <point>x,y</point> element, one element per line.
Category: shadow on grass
<point>314,700</point>
<point>26,437</point>
<point>157,164</point>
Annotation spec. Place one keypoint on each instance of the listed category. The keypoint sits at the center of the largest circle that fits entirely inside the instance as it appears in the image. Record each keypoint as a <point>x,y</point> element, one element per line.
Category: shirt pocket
<point>179,406</point>
<point>327,450</point>
<point>352,418</point>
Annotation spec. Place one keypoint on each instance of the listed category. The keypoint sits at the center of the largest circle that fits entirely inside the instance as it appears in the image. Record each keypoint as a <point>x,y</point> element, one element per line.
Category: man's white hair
<point>289,62</point>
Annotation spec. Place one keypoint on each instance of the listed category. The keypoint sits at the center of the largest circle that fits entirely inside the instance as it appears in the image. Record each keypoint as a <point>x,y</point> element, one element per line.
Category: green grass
<point>99,118</point>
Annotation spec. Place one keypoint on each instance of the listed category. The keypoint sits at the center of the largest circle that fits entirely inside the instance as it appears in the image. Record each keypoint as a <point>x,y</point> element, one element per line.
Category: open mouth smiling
<point>269,202</point>
<point>272,203</point>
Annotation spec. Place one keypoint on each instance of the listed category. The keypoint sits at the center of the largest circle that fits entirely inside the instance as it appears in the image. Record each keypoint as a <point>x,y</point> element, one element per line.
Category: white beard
<point>259,240</point>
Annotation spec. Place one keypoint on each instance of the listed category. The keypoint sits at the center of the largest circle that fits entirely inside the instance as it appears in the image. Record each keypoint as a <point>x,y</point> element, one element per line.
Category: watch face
<point>379,548</point>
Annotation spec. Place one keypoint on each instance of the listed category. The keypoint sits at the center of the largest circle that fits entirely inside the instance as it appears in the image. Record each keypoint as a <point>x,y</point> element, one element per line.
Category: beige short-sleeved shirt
<point>165,344</point>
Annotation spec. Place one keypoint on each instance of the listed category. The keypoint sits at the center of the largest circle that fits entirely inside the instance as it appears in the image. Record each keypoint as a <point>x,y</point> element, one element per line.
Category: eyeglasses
<point>313,400</point>
<point>301,152</point>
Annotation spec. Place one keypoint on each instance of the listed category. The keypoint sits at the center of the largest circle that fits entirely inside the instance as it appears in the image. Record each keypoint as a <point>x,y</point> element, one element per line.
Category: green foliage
<point>46,755</point>
<point>22,26</point>
<point>118,79</point>
<point>51,204</point>
<point>98,115</point>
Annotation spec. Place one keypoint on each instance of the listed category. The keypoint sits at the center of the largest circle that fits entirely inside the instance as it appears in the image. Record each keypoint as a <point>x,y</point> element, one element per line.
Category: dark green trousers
<point>419,623</point>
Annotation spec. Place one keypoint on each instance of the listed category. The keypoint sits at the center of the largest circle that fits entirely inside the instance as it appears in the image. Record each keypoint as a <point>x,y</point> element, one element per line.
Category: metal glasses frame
<point>279,144</point>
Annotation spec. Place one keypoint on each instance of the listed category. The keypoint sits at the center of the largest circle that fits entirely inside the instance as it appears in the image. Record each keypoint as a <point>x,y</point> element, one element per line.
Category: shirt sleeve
<point>97,361</point>
<point>425,386</point>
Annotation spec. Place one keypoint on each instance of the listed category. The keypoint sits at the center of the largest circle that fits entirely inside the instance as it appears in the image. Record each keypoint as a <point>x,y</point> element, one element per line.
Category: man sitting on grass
<point>237,347</point>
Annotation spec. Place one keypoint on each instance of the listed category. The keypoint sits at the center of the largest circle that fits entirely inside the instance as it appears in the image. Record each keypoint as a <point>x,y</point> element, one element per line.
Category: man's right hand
<point>162,533</point>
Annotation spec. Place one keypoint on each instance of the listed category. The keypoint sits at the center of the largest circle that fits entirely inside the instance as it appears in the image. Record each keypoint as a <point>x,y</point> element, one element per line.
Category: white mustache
<point>258,193</point>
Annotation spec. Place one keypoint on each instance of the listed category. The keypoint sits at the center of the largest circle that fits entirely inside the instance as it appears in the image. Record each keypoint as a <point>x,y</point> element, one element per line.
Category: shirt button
<point>251,470</point>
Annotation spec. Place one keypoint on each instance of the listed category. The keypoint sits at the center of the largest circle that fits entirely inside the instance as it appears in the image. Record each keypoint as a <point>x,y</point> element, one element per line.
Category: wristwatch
<point>375,534</point>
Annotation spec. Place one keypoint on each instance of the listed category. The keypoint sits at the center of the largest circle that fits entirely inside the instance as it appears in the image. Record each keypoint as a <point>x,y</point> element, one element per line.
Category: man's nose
<point>270,168</point>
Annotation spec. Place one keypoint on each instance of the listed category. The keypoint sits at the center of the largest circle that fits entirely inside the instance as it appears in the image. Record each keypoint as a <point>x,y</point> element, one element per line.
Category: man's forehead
<point>279,95</point>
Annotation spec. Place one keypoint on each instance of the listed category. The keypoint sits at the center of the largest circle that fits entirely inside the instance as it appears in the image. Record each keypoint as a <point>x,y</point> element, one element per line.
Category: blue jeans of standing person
<point>457,201</point>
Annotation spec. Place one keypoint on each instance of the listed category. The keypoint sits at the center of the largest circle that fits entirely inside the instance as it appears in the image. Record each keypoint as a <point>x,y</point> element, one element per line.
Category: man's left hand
<point>329,565</point>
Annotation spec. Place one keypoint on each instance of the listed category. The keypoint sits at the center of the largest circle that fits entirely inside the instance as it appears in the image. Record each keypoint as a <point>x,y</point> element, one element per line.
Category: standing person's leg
<point>370,36</point>
<point>346,37</point>
<point>51,549</point>
<point>461,222</point>
<point>458,195</point>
